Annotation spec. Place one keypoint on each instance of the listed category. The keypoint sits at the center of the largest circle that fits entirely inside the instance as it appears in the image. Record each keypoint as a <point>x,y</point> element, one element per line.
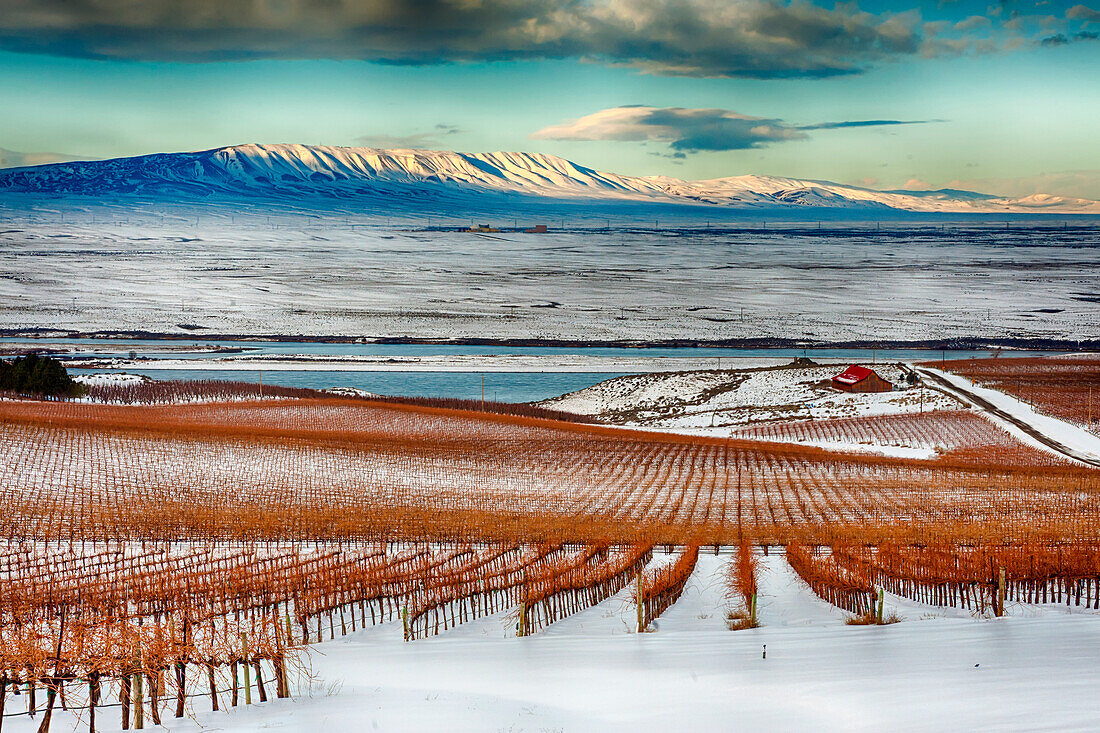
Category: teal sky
<point>1019,112</point>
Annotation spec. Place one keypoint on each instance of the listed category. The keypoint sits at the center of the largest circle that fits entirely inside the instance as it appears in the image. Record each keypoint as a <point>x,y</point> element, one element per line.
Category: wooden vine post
<point>93,699</point>
<point>641,602</point>
<point>139,692</point>
<point>1001,592</point>
<point>181,673</point>
<point>280,662</point>
<point>53,684</point>
<point>236,682</point>
<point>124,699</point>
<point>212,683</point>
<point>405,621</point>
<point>752,610</point>
<point>522,629</point>
<point>156,688</point>
<point>247,671</point>
<point>881,605</point>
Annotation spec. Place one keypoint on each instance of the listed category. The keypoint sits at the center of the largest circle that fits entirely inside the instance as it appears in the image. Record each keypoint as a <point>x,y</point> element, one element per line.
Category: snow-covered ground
<point>189,270</point>
<point>928,672</point>
<point>54,347</point>
<point>482,363</point>
<point>711,401</point>
<point>109,378</point>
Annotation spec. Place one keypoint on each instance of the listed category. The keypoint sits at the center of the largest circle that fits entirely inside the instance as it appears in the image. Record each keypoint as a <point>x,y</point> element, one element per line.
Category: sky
<point>996,95</point>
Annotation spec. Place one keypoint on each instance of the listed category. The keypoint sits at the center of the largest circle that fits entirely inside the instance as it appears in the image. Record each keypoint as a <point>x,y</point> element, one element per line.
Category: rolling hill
<point>380,179</point>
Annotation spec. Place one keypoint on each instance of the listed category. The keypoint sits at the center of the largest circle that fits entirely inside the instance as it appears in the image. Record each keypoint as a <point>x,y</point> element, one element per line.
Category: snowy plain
<point>195,270</point>
<point>574,363</point>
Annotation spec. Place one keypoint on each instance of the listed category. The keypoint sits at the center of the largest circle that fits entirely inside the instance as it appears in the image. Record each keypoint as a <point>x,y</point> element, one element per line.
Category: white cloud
<point>1085,13</point>
<point>972,23</point>
<point>14,159</point>
<point>1084,184</point>
<point>415,141</point>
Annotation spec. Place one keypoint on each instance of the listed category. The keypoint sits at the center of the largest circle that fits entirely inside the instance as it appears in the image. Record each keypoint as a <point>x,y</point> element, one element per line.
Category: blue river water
<point>498,386</point>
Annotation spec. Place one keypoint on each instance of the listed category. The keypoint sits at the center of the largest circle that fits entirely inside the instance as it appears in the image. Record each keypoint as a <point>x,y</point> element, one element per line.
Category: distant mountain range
<point>381,179</point>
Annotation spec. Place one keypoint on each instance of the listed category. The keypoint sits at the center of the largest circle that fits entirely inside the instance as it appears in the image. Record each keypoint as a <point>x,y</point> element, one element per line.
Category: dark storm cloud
<point>685,130</point>
<point>863,123</point>
<point>1061,39</point>
<point>693,130</point>
<point>736,38</point>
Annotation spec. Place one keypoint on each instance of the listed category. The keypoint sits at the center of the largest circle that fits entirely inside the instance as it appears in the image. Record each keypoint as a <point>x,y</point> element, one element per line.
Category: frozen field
<point>206,271</point>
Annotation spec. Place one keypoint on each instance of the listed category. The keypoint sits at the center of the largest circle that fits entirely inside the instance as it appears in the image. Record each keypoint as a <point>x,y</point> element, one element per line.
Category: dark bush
<point>39,376</point>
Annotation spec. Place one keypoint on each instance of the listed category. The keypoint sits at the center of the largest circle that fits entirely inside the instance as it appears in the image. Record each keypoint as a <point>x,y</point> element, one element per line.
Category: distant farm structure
<point>537,229</point>
<point>483,229</point>
<point>860,379</point>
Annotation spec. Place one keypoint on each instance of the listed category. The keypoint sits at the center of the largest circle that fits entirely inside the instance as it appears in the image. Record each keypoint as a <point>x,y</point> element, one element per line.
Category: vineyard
<point>358,470</point>
<point>1066,387</point>
<point>980,578</point>
<point>659,588</point>
<point>187,623</point>
<point>742,583</point>
<point>958,434</point>
<point>164,559</point>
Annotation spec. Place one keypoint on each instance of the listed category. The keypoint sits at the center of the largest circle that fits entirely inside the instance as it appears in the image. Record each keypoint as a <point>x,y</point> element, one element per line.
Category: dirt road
<point>936,381</point>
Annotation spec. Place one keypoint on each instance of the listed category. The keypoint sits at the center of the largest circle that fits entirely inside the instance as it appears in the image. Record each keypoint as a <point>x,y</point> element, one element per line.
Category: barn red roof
<point>853,374</point>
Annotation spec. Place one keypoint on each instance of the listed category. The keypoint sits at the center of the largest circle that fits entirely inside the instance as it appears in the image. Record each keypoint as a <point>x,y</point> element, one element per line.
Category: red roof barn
<point>860,379</point>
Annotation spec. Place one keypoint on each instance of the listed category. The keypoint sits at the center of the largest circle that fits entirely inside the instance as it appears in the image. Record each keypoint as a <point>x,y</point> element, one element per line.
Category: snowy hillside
<point>401,177</point>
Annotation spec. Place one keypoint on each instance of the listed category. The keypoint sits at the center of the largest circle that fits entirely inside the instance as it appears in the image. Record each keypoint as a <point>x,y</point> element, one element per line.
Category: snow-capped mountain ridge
<point>375,175</point>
